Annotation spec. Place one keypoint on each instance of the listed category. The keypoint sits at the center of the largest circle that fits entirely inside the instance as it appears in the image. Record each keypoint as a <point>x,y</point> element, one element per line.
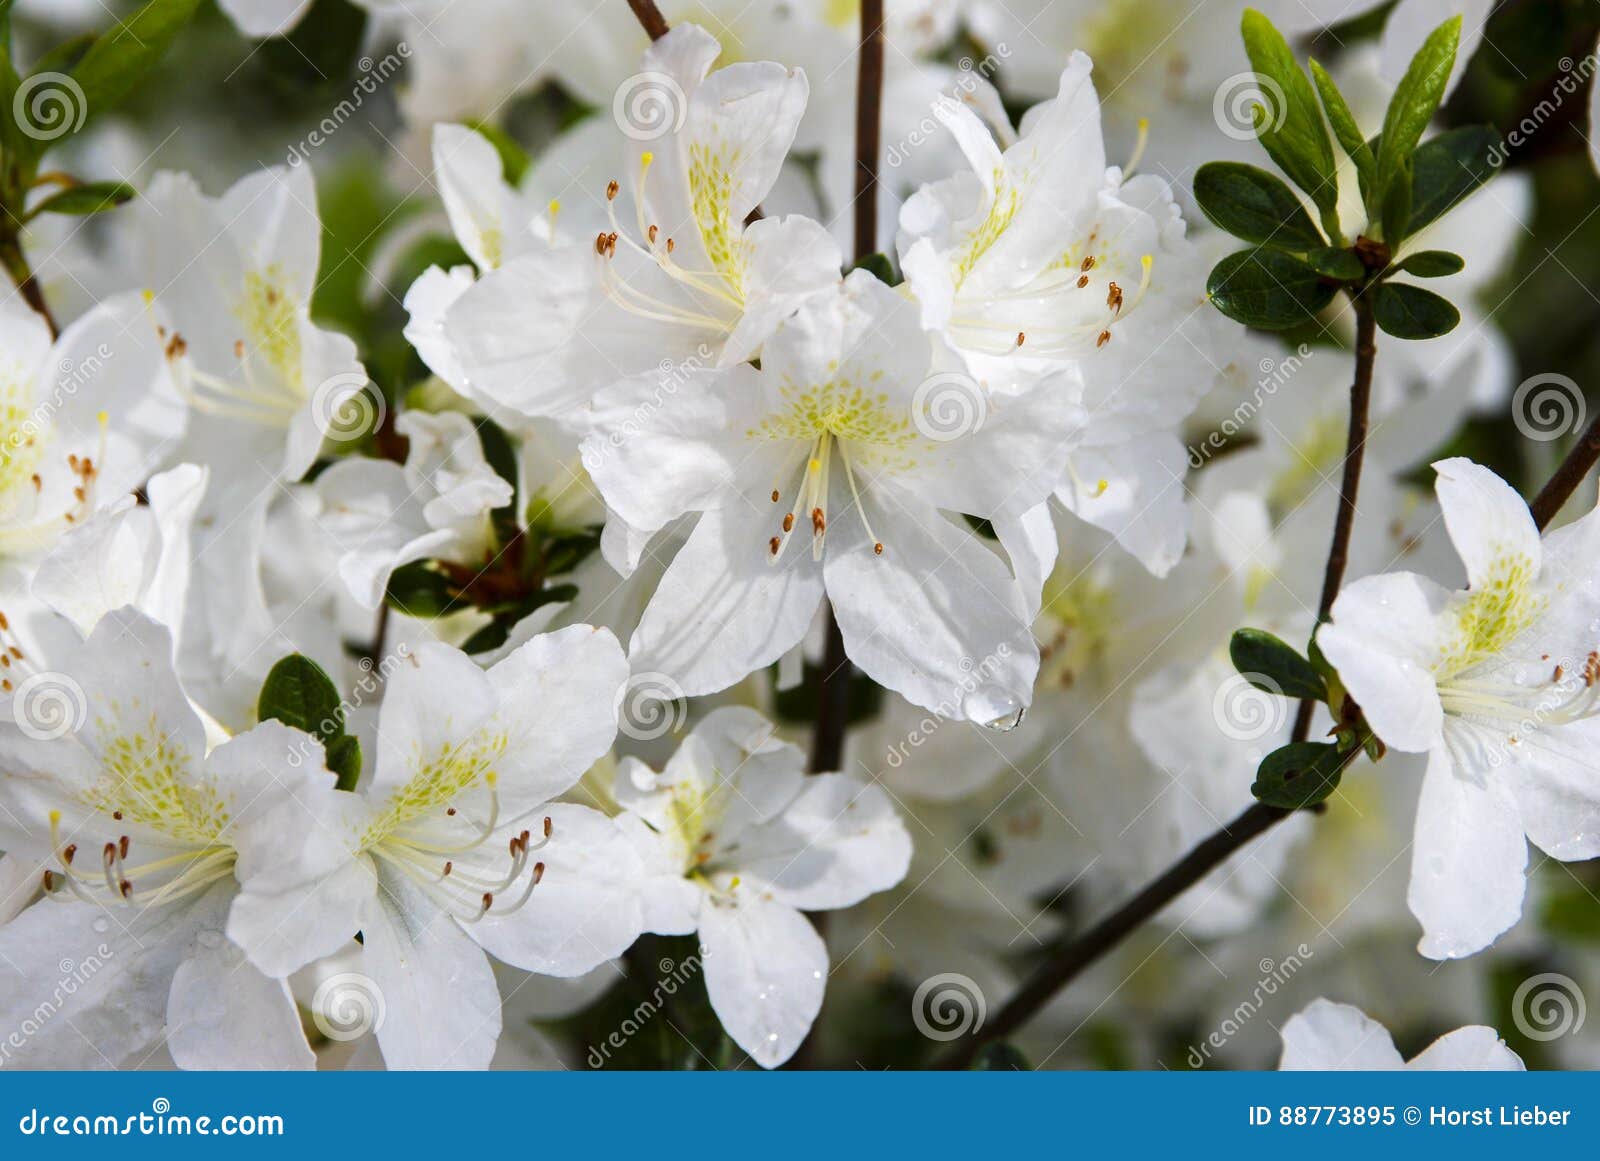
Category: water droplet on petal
<point>994,708</point>
<point>101,924</point>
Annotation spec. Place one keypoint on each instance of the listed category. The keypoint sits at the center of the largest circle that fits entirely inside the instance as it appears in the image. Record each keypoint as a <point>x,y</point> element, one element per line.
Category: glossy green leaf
<point>1336,263</point>
<point>1298,775</point>
<point>1345,129</point>
<point>343,756</point>
<point>1395,212</point>
<point>1289,121</point>
<point>298,693</point>
<point>1415,100</point>
<point>1268,289</point>
<point>89,198</point>
<point>420,591</point>
<point>1433,263</point>
<point>1410,312</point>
<point>1447,168</point>
<point>1255,205</point>
<point>1273,665</point>
<point>129,49</point>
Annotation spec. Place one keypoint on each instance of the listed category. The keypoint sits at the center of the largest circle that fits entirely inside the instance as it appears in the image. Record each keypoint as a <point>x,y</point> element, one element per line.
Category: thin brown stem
<point>869,127</point>
<point>1060,969</point>
<point>1579,462</point>
<point>16,264</point>
<point>655,24</point>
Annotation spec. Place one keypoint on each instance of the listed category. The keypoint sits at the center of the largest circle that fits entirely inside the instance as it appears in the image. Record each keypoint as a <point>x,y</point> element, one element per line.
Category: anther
<point>1105,337</point>
<point>819,522</point>
<point>1022,337</point>
<point>1083,280</point>
<point>774,544</point>
<point>775,496</point>
<point>788,522</point>
<point>611,190</point>
<point>877,548</point>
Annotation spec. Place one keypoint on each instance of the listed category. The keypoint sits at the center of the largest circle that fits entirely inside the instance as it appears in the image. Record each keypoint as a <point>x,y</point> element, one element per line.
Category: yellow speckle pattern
<point>711,193</point>
<point>146,777</point>
<point>270,317</point>
<point>19,435</point>
<point>1001,211</point>
<point>878,433</point>
<point>1492,615</point>
<point>1079,618</point>
<point>441,779</point>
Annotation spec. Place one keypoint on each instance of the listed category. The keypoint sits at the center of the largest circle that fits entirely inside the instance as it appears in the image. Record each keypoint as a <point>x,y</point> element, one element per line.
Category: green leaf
<point>419,591</point>
<point>1433,263</point>
<point>89,198</point>
<point>1409,312</point>
<point>1395,213</point>
<point>880,268</point>
<point>1288,122</point>
<point>1298,775</point>
<point>1254,205</point>
<point>343,756</point>
<point>1273,665</point>
<point>1414,103</point>
<point>120,57</point>
<point>1345,129</point>
<point>298,693</point>
<point>1448,167</point>
<point>1336,263</point>
<point>321,49</point>
<point>1268,289</point>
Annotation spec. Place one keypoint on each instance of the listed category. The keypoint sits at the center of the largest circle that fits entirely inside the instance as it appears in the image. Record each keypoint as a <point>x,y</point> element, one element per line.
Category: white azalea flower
<point>679,275</point>
<point>1329,1037</point>
<point>830,444</point>
<point>1042,260</point>
<point>1497,685</point>
<point>454,848</point>
<point>145,839</point>
<point>737,841</point>
<point>83,419</point>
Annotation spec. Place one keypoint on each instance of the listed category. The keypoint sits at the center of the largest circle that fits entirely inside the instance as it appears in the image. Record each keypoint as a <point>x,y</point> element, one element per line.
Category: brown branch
<point>16,264</point>
<point>655,24</point>
<point>1580,460</point>
<point>869,127</point>
<point>1070,961</point>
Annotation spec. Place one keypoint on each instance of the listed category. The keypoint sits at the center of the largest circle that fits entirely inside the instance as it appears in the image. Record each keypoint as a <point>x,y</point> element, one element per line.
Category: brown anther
<point>1114,297</point>
<point>72,461</point>
<point>1105,337</point>
<point>238,348</point>
<point>671,245</point>
<point>600,243</point>
<point>1088,263</point>
<point>547,826</point>
<point>122,846</point>
<point>450,812</point>
<point>5,660</point>
<point>774,545</point>
<point>788,522</point>
<point>49,882</point>
<point>538,873</point>
<point>448,867</point>
<point>5,684</point>
<point>15,652</point>
<point>108,854</point>
<point>819,522</point>
<point>775,496</point>
<point>117,814</point>
<point>178,346</point>
<point>4,624</point>
<point>611,191</point>
<point>38,483</point>
<point>1022,337</point>
<point>652,232</point>
<point>125,887</point>
<point>488,900</point>
<point>877,548</point>
<point>67,853</point>
<point>1556,676</point>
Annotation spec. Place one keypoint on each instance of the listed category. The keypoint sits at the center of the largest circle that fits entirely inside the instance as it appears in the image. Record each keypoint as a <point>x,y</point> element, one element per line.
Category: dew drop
<point>994,707</point>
